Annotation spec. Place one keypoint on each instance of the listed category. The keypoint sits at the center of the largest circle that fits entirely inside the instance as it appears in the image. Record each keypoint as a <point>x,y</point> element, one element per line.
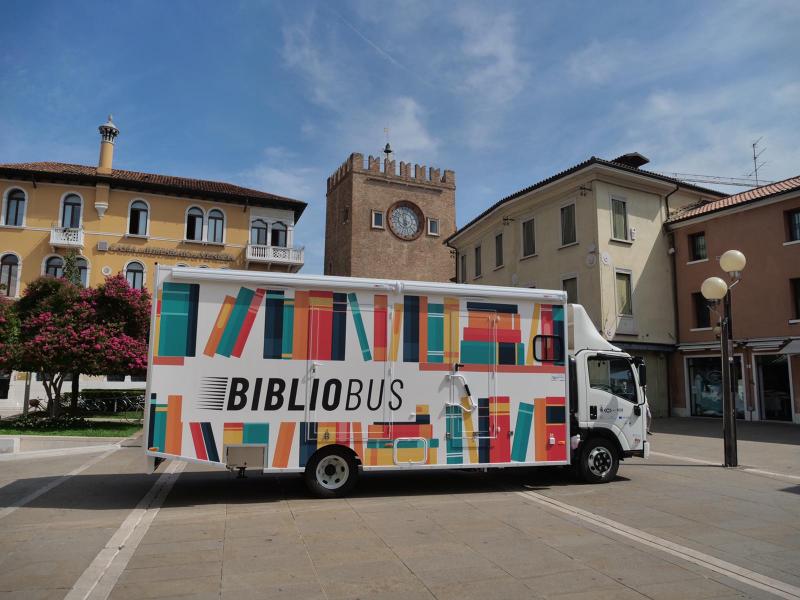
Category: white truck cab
<point>608,403</point>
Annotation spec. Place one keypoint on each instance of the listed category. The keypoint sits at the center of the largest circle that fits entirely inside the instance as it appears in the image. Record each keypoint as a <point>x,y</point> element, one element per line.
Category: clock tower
<point>388,224</point>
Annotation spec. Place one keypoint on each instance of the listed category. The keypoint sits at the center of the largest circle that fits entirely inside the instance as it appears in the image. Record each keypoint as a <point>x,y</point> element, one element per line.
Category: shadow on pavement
<point>198,488</point>
<point>748,431</point>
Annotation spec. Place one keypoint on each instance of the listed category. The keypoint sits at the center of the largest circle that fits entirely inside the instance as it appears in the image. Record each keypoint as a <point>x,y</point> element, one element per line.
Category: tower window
<point>433,227</point>
<point>15,208</point>
<point>194,224</point>
<point>9,270</point>
<point>216,226</point>
<point>134,273</point>
<point>377,219</point>
<point>137,219</point>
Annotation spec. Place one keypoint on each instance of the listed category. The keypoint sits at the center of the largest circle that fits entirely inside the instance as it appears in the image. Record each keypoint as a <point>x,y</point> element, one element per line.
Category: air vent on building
<point>102,246</point>
<point>106,270</point>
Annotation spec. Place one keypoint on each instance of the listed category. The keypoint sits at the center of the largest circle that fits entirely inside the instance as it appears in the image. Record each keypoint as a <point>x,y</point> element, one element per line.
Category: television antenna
<point>756,155</point>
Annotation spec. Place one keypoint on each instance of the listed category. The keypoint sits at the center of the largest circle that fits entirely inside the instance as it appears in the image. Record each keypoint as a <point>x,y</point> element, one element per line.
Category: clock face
<point>405,220</point>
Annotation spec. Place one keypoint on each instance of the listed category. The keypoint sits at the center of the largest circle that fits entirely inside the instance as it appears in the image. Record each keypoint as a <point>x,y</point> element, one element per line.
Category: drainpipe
<point>671,241</point>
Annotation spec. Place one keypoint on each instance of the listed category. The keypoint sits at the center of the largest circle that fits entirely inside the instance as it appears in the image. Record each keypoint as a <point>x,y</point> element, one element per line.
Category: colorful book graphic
<point>235,322</point>
<point>397,328</point>
<point>177,319</point>
<point>452,330</point>
<point>500,429</point>
<point>308,442</point>
<point>205,447</point>
<point>288,328</point>
<point>435,333</point>
<point>158,427</point>
<point>174,427</point>
<point>556,428</point>
<point>484,439</point>
<point>245,433</point>
<point>300,334</point>
<point>274,317</point>
<point>339,327</point>
<point>363,341</point>
<point>283,447</point>
<point>535,320</point>
<point>540,429</point>
<point>320,325</point>
<point>522,432</point>
<point>380,319</point>
<point>454,446</point>
<point>411,329</point>
<point>219,325</point>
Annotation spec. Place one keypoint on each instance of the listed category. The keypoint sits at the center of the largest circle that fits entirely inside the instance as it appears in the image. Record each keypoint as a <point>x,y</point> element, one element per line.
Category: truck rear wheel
<point>598,461</point>
<point>331,473</point>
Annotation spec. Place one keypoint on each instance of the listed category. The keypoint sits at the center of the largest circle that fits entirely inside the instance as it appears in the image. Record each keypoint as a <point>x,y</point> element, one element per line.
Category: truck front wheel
<point>331,473</point>
<point>598,461</point>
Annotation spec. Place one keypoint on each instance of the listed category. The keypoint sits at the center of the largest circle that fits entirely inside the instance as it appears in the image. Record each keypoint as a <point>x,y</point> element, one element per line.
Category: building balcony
<point>66,237</point>
<point>293,258</point>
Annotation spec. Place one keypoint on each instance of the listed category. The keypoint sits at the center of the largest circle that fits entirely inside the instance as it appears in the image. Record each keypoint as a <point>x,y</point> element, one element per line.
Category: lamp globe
<point>732,261</point>
<point>714,288</point>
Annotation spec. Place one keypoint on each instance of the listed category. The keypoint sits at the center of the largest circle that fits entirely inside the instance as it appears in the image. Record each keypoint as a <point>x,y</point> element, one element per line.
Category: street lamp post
<point>715,289</point>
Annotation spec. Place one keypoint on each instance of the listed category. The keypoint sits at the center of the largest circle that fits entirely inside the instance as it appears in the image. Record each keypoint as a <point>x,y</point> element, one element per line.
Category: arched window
<point>83,270</point>
<point>194,224</point>
<point>278,234</point>
<point>137,219</point>
<point>134,273</point>
<point>15,208</point>
<point>9,268</point>
<point>216,225</point>
<point>71,212</point>
<point>258,232</point>
<point>54,267</point>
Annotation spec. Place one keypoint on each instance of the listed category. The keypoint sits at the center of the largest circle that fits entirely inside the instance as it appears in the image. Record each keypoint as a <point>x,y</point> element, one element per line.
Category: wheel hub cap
<point>332,472</point>
<point>600,461</point>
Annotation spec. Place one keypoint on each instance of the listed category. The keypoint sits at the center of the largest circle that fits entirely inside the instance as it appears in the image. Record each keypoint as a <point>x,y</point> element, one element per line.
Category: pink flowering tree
<point>65,328</point>
<point>9,332</point>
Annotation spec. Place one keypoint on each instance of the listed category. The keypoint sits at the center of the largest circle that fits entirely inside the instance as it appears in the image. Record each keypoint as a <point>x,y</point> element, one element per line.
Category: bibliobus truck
<point>335,376</point>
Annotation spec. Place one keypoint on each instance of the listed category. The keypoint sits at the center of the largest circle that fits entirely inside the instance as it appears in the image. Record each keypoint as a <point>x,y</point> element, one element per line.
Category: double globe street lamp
<point>715,289</point>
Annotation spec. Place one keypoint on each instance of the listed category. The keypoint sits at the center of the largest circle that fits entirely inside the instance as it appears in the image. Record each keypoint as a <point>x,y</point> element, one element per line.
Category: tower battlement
<point>388,168</point>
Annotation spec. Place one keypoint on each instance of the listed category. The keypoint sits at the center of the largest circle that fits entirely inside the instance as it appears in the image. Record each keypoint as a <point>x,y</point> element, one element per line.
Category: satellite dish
<point>605,258</point>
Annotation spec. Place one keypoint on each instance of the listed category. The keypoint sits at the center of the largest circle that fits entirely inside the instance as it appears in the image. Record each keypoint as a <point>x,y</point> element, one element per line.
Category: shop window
<point>15,208</point>
<point>705,386</point>
<point>697,246</point>
<point>774,390</point>
<point>702,313</point>
<point>9,272</point>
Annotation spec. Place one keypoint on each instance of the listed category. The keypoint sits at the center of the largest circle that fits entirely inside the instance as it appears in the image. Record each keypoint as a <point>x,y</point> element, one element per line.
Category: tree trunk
<point>73,401</point>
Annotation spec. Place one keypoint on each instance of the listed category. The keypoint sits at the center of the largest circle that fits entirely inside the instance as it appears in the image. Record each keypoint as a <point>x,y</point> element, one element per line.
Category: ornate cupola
<point>108,133</point>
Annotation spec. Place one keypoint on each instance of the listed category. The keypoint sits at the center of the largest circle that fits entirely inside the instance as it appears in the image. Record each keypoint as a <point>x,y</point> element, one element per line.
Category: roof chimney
<point>632,159</point>
<point>108,133</point>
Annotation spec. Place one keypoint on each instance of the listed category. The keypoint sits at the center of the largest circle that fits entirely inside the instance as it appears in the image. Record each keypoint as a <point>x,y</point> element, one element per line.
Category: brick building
<point>385,223</point>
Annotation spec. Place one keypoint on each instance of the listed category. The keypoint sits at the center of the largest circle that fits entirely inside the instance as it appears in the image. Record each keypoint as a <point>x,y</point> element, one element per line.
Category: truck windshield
<point>613,375</point>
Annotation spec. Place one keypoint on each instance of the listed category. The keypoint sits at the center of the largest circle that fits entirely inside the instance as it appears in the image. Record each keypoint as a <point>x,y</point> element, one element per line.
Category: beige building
<point>385,223</point>
<point>120,221</point>
<point>595,230</point>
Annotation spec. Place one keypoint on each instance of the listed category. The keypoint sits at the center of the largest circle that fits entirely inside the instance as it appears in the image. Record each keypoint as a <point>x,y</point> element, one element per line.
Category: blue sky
<point>277,95</point>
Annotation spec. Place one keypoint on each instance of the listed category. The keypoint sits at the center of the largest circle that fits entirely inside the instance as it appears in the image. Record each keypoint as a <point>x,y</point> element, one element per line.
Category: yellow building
<point>120,221</point>
<point>127,221</point>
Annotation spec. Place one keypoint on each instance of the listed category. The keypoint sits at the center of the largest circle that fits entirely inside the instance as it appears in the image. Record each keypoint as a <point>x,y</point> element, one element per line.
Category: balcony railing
<point>275,254</point>
<point>66,237</point>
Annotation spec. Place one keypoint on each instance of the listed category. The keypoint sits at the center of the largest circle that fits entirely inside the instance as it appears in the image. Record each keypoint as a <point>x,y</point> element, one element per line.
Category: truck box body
<point>263,370</point>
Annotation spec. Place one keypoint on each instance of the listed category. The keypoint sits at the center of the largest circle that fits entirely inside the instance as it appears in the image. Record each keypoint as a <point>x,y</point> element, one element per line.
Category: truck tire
<point>598,461</point>
<point>331,473</point>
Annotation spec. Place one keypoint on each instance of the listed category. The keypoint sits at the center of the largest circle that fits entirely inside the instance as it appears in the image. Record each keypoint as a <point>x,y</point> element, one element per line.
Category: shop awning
<point>793,347</point>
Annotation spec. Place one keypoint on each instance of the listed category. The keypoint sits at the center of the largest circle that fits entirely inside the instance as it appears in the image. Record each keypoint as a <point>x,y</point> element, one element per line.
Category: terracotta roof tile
<point>759,193</point>
<point>167,184</point>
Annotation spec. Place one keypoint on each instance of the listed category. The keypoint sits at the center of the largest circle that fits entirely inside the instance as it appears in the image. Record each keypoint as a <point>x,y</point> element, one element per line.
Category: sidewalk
<point>701,439</point>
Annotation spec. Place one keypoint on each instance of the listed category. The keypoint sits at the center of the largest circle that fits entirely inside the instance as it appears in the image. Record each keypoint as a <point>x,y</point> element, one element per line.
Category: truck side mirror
<point>642,374</point>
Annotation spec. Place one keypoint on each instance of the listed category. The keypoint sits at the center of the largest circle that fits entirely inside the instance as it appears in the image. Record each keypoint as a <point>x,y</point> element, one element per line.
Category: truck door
<point>613,398</point>
<point>472,406</point>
